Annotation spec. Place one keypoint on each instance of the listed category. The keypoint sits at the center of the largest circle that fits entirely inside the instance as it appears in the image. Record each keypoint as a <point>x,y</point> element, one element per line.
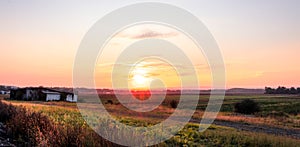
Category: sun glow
<point>139,79</point>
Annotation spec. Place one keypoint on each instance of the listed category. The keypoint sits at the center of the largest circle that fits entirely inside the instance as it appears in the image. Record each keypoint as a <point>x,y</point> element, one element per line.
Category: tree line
<point>282,90</point>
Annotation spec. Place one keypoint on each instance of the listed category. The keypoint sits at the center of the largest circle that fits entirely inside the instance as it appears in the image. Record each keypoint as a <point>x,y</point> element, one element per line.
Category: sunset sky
<point>259,40</point>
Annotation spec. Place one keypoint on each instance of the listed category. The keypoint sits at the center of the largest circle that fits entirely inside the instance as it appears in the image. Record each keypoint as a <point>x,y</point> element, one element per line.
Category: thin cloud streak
<point>148,34</point>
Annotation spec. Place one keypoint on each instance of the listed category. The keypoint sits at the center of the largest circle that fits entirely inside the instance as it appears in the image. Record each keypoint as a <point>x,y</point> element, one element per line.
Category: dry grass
<point>163,112</point>
<point>66,115</point>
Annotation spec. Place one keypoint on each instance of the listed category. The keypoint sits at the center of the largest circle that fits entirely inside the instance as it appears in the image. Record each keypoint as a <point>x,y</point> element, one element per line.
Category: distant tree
<point>19,95</point>
<point>2,87</point>
<point>247,106</point>
<point>282,90</point>
<point>293,90</point>
<point>278,90</point>
<point>269,90</point>
<point>287,91</point>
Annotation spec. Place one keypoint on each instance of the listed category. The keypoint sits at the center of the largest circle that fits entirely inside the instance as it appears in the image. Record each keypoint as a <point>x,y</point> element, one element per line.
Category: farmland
<point>277,111</point>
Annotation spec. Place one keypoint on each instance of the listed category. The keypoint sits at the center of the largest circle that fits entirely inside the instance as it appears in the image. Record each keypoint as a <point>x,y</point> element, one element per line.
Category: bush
<point>30,128</point>
<point>109,102</point>
<point>6,112</point>
<point>173,104</point>
<point>247,106</point>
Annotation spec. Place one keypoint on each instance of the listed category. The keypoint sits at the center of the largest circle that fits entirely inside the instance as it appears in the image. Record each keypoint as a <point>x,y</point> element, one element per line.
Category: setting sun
<point>139,81</point>
<point>139,78</point>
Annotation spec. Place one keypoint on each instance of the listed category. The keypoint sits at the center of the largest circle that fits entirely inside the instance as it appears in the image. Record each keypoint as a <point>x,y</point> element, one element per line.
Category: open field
<point>276,110</point>
<point>280,114</point>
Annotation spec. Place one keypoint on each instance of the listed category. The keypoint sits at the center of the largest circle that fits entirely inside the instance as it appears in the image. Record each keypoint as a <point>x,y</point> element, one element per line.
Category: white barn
<point>52,96</point>
<point>71,98</point>
<point>42,94</point>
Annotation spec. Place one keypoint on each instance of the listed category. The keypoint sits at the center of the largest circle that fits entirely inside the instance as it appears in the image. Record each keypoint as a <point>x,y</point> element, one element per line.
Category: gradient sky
<point>260,40</point>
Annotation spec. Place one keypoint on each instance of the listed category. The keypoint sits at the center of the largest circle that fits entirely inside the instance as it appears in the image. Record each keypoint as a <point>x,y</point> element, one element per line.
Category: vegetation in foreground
<point>34,128</point>
<point>65,127</point>
<point>247,106</point>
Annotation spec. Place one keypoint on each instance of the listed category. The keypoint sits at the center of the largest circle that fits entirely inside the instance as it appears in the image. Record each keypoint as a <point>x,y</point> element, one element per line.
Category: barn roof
<point>50,92</point>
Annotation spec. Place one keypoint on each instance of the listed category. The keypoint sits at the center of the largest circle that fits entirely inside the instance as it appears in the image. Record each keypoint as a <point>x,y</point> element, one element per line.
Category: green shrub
<point>247,106</point>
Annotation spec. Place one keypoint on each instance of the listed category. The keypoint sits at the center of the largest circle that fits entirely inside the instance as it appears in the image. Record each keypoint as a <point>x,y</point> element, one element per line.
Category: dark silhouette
<point>282,90</point>
<point>174,103</point>
<point>247,106</point>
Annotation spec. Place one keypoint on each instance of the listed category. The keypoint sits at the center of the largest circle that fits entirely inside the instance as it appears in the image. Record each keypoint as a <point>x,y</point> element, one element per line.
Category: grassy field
<point>276,110</point>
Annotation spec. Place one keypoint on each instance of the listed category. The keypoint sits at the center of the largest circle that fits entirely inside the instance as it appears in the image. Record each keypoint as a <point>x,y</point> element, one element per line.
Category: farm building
<point>4,92</point>
<point>42,94</point>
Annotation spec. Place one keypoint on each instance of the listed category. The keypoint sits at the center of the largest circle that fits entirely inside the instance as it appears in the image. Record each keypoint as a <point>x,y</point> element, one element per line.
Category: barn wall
<point>75,98</point>
<point>71,98</point>
<point>52,97</point>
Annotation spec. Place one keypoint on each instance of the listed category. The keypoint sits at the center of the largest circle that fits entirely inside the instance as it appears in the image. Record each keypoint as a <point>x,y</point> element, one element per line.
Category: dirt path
<point>293,133</point>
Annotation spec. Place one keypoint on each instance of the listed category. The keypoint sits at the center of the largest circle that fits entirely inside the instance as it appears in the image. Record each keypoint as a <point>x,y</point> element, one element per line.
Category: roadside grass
<point>276,110</point>
<point>223,136</point>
